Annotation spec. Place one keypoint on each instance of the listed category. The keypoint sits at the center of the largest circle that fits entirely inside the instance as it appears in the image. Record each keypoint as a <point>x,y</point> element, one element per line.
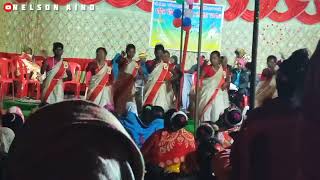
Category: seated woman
<point>167,148</point>
<point>210,159</point>
<point>26,60</point>
<point>137,129</point>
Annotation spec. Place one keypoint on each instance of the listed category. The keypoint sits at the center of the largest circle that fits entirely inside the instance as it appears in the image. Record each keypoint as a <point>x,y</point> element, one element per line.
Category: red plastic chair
<point>87,83</point>
<point>25,81</point>
<point>74,67</point>
<point>5,79</point>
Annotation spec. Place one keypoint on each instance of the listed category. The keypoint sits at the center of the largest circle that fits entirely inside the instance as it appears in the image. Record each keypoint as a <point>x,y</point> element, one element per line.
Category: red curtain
<point>121,3</point>
<point>295,7</point>
<point>89,1</point>
<point>145,5</point>
<point>237,7</point>
<point>311,19</point>
<point>266,8</point>
<point>61,2</point>
<point>22,1</point>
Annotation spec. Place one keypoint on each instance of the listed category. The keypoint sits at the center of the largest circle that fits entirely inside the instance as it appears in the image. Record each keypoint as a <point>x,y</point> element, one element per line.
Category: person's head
<point>16,110</point>
<point>215,58</point>
<point>178,121</point>
<point>272,61</point>
<point>166,56</point>
<point>291,75</point>
<point>130,51</point>
<point>74,145</point>
<point>240,64</point>
<point>28,50</point>
<point>224,61</point>
<point>240,53</point>
<point>143,56</point>
<point>101,54</point>
<point>204,133</point>
<point>248,66</point>
<point>174,59</point>
<point>13,119</point>
<point>57,49</point>
<point>147,114</point>
<point>167,117</point>
<point>158,51</point>
<point>203,60</point>
<point>233,117</point>
<point>158,112</point>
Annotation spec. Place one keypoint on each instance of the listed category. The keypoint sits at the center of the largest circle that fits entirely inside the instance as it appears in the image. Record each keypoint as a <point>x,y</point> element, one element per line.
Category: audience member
<point>240,78</point>
<point>211,160</point>
<point>74,146</point>
<point>6,138</point>
<point>139,131</point>
<point>167,148</point>
<point>276,125</point>
<point>147,114</point>
<point>266,88</point>
<point>13,119</point>
<point>167,116</point>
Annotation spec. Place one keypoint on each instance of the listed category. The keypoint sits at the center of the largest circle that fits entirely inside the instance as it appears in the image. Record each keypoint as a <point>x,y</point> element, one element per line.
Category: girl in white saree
<point>213,99</point>
<point>100,91</point>
<point>57,71</point>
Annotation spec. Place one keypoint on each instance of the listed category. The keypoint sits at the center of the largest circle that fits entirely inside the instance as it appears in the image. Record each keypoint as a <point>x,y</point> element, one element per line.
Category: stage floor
<point>26,105</point>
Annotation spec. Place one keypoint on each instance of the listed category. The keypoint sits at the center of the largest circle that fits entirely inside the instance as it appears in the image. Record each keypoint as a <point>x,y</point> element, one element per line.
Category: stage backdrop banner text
<point>164,32</point>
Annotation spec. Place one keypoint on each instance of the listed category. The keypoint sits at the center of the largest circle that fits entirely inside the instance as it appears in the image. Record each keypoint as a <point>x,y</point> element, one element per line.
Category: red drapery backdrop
<point>237,8</point>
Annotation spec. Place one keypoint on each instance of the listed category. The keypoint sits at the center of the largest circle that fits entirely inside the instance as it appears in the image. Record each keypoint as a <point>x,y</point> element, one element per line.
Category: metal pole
<point>179,99</point>
<point>181,36</point>
<point>182,65</point>
<point>254,53</point>
<point>197,120</point>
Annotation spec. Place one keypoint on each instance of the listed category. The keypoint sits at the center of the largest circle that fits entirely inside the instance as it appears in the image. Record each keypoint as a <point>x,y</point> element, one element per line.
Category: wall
<point>83,31</point>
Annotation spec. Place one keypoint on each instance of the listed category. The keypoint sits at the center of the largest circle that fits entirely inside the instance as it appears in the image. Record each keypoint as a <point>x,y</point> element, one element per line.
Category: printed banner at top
<point>163,31</point>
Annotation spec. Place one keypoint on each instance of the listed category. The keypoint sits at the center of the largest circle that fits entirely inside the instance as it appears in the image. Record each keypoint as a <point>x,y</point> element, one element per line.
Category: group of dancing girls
<point>158,74</point>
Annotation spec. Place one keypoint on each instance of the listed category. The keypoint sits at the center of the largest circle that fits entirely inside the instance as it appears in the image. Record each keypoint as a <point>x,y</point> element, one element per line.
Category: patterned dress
<point>165,148</point>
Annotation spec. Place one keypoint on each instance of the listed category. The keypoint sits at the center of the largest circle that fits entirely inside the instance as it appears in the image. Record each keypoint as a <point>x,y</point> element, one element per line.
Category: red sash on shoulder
<point>214,95</point>
<point>135,70</point>
<point>100,86</point>
<point>54,81</point>
<point>157,85</point>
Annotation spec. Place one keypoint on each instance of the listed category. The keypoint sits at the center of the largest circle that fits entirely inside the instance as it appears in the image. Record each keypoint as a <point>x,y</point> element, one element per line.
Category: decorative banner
<point>163,30</point>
